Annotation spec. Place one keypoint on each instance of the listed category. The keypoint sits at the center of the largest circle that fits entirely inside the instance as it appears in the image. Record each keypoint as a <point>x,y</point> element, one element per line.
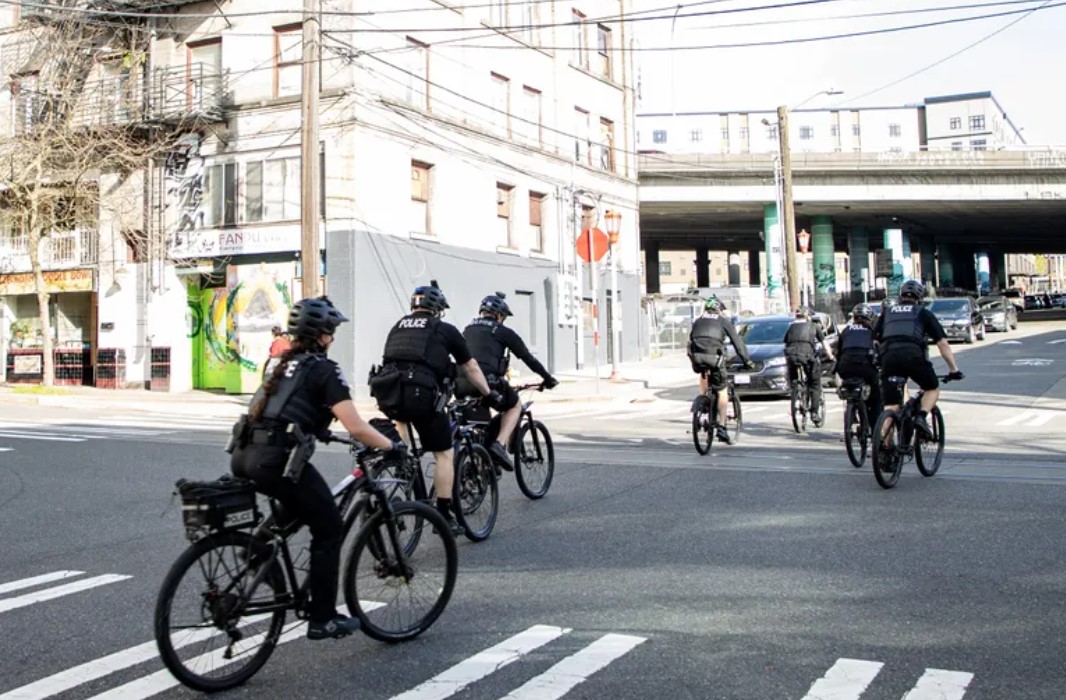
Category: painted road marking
<point>1060,341</point>
<point>845,680</point>
<point>940,685</point>
<point>1032,362</point>
<point>46,438</point>
<point>1032,418</point>
<point>1010,342</point>
<point>480,665</point>
<point>22,601</point>
<point>37,580</point>
<point>561,678</point>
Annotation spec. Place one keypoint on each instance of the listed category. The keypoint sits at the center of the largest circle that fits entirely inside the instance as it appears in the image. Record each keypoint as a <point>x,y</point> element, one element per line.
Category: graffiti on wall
<point>184,174</point>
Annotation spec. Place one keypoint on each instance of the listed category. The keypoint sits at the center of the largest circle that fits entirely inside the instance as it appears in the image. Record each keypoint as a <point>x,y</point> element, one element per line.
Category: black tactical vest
<point>486,346</point>
<point>902,325</point>
<point>292,402</point>
<point>801,333</point>
<point>856,338</point>
<point>410,341</point>
<point>708,334</point>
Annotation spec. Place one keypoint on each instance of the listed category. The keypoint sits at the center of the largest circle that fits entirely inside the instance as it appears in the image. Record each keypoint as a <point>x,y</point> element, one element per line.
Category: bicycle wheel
<point>798,408</point>
<point>703,427</point>
<point>398,597</point>
<point>734,419</point>
<point>929,453</point>
<point>856,434</point>
<point>535,466</point>
<point>206,628</point>
<point>412,488</point>
<point>887,459</point>
<point>477,493</point>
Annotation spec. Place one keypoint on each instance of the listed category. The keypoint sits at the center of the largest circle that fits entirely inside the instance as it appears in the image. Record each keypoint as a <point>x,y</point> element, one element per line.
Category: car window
<point>763,332</point>
<point>949,306</point>
<point>992,304</point>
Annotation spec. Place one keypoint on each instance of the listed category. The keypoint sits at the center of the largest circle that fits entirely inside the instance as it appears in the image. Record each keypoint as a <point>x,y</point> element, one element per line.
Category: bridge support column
<point>775,258</point>
<point>894,243</point>
<point>998,266</point>
<point>734,268</point>
<point>927,259</point>
<point>908,257</point>
<point>754,269</point>
<point>703,267</point>
<point>983,273</point>
<point>858,256</point>
<point>825,268</point>
<point>652,281</point>
<point>946,269</point>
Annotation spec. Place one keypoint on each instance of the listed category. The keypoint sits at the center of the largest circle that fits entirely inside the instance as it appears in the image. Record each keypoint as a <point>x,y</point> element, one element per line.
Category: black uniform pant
<point>311,502</point>
<point>812,365</point>
<point>863,368</point>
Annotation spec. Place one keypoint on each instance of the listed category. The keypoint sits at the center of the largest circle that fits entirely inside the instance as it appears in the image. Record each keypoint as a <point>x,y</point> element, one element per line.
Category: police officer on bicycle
<point>803,340</point>
<point>298,400</point>
<point>856,358</point>
<point>902,330</point>
<point>492,344</point>
<point>417,364</point>
<point>706,350</point>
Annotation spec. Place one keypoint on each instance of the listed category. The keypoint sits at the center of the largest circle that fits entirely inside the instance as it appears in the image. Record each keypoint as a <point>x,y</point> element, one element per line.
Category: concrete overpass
<point>948,206</point>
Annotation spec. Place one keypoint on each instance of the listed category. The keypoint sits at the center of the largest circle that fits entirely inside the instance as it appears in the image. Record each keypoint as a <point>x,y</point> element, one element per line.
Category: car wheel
<point>981,335</point>
<point>971,336</point>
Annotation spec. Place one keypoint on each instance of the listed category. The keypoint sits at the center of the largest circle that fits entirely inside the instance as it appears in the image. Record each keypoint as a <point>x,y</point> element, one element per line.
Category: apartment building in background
<point>451,148</point>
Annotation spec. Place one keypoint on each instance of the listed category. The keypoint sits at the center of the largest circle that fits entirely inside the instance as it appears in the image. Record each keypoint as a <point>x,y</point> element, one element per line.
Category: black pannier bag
<point>210,507</point>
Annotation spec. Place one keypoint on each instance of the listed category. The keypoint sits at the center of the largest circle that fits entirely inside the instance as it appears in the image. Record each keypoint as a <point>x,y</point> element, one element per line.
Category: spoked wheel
<point>887,458</point>
<point>703,427</point>
<point>208,633</point>
<point>410,488</point>
<point>398,597</point>
<point>856,435</point>
<point>535,466</point>
<point>929,453</point>
<point>799,408</point>
<point>477,493</point>
<point>734,419</point>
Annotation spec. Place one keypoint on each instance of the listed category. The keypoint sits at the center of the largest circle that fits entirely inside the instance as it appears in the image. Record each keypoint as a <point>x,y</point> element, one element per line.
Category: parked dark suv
<point>960,317</point>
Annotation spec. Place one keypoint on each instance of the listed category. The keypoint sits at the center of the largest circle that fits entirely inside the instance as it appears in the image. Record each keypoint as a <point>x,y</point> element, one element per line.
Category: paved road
<point>771,569</point>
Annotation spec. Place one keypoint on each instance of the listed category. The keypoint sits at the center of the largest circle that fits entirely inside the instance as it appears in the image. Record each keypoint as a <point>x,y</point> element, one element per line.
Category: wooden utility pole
<point>310,187</point>
<point>788,216</point>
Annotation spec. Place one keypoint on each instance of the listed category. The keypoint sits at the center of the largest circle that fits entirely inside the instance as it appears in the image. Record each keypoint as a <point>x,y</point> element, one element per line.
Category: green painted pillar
<point>825,269</point>
<point>858,256</point>
<point>894,243</point>
<point>775,257</point>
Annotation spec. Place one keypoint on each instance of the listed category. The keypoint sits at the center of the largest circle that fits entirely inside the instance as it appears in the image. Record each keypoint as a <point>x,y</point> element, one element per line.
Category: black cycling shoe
<point>453,525</point>
<point>723,434</point>
<point>499,453</point>
<point>336,627</point>
<point>923,428</point>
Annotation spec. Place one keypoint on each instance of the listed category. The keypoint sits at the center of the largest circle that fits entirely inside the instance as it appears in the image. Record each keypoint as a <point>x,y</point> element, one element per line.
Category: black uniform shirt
<point>489,340</point>
<point>928,321</point>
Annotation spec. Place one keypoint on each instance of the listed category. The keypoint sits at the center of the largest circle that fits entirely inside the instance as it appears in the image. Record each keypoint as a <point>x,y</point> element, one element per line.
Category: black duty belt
<point>270,437</point>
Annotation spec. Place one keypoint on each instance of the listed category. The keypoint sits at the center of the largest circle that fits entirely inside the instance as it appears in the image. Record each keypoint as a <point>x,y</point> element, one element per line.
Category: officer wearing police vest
<point>802,342</point>
<point>706,351</point>
<point>903,331</point>
<point>414,383</point>
<point>298,400</point>
<point>492,345</point>
<point>855,351</point>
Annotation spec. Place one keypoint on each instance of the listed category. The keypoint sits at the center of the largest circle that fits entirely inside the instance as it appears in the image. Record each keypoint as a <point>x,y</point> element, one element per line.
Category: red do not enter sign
<point>597,240</point>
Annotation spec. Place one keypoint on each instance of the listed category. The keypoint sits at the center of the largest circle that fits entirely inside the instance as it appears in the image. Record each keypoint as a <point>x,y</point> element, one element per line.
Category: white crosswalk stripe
<point>940,685</point>
<point>1031,418</point>
<point>847,679</point>
<point>561,678</point>
<point>22,601</point>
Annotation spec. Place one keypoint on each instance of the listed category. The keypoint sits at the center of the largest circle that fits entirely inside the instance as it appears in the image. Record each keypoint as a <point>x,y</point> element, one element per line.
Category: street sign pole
<point>595,310</point>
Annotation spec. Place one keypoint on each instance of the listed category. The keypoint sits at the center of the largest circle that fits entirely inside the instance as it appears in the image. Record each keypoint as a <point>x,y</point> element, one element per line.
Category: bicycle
<point>705,417</point>
<point>801,407</point>
<point>896,439</point>
<point>855,391</point>
<point>238,587</point>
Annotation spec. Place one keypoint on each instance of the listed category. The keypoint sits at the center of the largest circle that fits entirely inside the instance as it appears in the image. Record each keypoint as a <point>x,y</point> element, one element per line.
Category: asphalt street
<point>769,569</point>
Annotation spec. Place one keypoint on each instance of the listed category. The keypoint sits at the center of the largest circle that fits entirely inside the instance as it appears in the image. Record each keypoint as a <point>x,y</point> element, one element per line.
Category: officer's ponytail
<point>270,386</point>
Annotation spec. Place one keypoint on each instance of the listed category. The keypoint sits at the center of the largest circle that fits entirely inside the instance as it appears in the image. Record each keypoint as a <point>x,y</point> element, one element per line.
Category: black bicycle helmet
<point>429,298</point>
<point>495,304</point>
<point>862,311</point>
<point>913,289</point>
<point>310,318</point>
<point>713,304</point>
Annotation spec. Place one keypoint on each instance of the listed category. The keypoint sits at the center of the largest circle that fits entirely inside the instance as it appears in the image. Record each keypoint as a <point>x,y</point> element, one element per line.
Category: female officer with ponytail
<point>306,391</point>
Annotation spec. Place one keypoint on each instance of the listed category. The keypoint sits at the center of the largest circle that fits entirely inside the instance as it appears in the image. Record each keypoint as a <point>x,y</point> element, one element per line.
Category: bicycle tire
<point>210,632</point>
<point>476,493</point>
<point>380,620</point>
<point>887,459</point>
<point>734,425</point>
<point>926,466</point>
<point>703,428</point>
<point>856,435</point>
<point>541,451</point>
<point>799,413</point>
<point>414,490</point>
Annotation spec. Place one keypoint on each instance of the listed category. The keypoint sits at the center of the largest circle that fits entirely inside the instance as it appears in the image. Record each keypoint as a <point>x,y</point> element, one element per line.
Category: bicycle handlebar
<point>539,386</point>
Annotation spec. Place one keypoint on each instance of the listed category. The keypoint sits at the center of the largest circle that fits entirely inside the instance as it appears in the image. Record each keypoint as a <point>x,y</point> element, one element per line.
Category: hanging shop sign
<point>54,281</point>
<point>236,241</point>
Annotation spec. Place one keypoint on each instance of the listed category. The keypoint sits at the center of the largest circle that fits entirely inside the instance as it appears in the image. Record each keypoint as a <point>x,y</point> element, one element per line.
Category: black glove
<point>956,376</point>
<point>550,382</point>
<point>397,450</point>
<point>495,399</point>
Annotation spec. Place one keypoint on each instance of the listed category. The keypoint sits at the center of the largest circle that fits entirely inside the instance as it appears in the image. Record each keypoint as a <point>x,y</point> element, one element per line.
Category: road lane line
<point>940,685</point>
<point>1041,418</point>
<point>59,591</point>
<point>5,449</point>
<point>1016,419</point>
<point>561,678</point>
<point>37,580</point>
<point>846,680</point>
<point>48,438</point>
<point>482,664</point>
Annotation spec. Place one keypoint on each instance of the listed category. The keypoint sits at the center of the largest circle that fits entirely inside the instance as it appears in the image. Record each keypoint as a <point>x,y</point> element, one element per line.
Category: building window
<point>504,195</point>
<point>606,145</point>
<point>806,133</point>
<point>580,57</point>
<point>665,268</point>
<point>955,123</point>
<point>979,144</point>
<point>834,130</point>
<point>603,51</point>
<point>696,135</point>
<point>895,131</point>
<point>288,56</point>
<point>498,11</point>
<point>956,145</point>
<point>421,191</point>
<point>501,102</point>
<point>743,133</point>
<point>659,136</point>
<point>415,62</point>
<point>204,75</point>
<point>533,126</point>
<point>272,190</point>
<point>725,133</point>
<point>856,130</point>
<point>771,132</point>
<point>977,121</point>
<point>582,137</point>
<point>536,219</point>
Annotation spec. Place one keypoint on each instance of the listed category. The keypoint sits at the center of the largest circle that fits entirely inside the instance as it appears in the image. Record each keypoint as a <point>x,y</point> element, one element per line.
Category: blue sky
<point>1024,65</point>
